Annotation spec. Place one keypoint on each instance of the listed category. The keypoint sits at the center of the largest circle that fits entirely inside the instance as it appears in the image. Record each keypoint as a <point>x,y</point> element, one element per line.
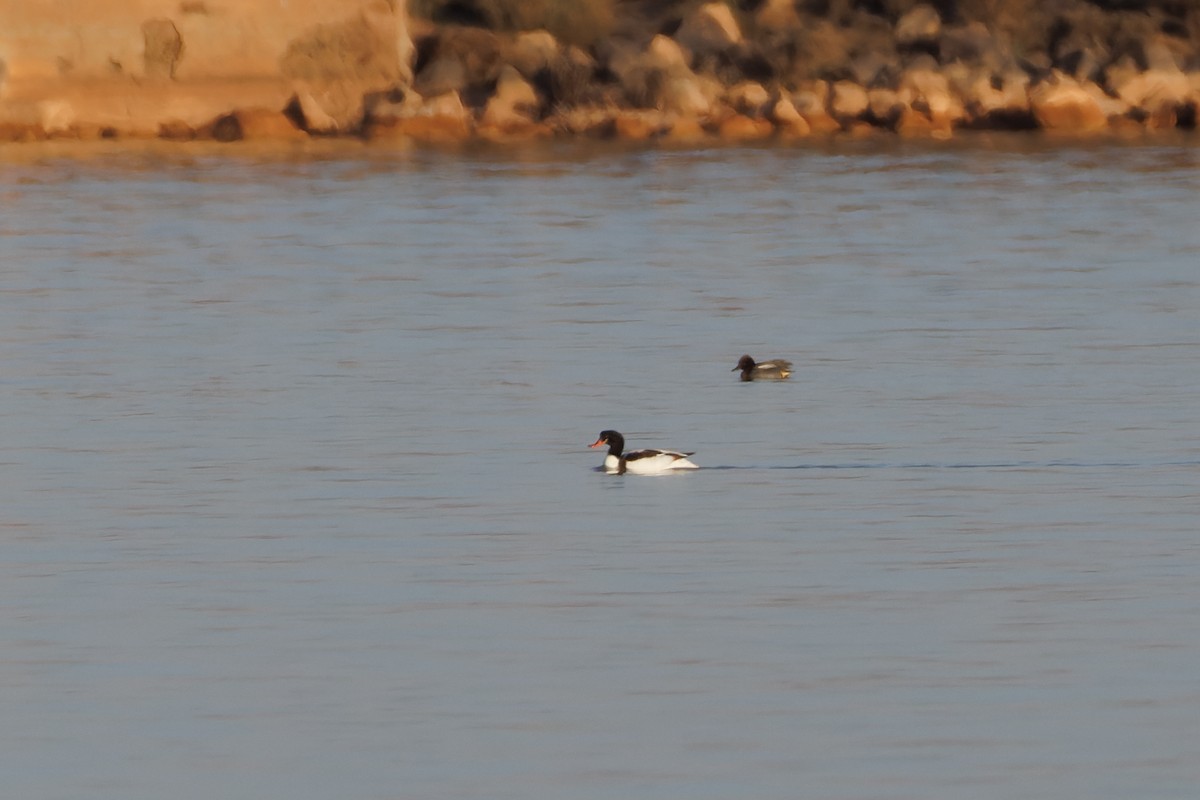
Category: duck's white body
<point>648,462</point>
<point>639,462</point>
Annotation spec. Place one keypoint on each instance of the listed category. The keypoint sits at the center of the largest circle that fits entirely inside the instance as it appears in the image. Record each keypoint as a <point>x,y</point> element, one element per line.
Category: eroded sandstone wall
<point>133,66</point>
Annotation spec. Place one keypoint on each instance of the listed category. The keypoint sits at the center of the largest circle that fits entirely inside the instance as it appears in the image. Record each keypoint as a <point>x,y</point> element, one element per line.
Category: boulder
<point>514,104</point>
<point>685,131</point>
<point>55,117</point>
<point>176,130</point>
<point>533,51</point>
<point>912,124</point>
<point>749,98</point>
<point>847,100</point>
<point>1062,103</point>
<point>478,53</point>
<point>254,124</point>
<point>995,107</point>
<point>812,103</point>
<point>789,122</point>
<point>441,75</point>
<point>443,119</point>
<point>664,53</point>
<point>884,107</point>
<point>685,95</point>
<point>637,126</point>
<point>740,128</point>
<point>327,108</point>
<point>1153,90</point>
<point>336,64</point>
<point>919,28</point>
<point>777,15</point>
<point>926,89</point>
<point>709,30</point>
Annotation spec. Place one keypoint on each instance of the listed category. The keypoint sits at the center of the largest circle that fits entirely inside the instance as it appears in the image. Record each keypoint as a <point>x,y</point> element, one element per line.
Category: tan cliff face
<point>134,66</point>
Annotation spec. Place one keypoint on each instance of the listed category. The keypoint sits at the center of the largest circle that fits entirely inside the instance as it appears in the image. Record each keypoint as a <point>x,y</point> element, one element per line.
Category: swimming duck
<point>639,462</point>
<point>774,370</point>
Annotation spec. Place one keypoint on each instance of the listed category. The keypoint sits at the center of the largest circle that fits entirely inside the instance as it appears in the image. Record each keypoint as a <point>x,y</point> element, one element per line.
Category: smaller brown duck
<point>776,369</point>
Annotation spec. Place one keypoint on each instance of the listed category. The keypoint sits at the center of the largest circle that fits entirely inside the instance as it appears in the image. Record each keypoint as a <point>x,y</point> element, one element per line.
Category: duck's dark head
<point>614,440</point>
<point>746,365</point>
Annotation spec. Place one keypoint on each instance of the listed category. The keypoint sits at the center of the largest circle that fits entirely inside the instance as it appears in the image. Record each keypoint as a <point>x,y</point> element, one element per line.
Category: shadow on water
<point>995,465</point>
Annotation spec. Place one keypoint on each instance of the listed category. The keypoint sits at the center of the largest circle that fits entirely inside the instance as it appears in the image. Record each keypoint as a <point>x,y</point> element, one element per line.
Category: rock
<point>789,122</point>
<point>336,64</point>
<point>594,122</point>
<point>919,28</point>
<point>176,130</point>
<point>811,102</point>
<point>847,100</point>
<point>637,126</point>
<point>664,53</point>
<point>973,44</point>
<point>659,77</point>
<point>926,89</point>
<point>913,124</point>
<point>20,132</point>
<point>443,74</point>
<point>311,116</point>
<point>1061,103</point>
<point>777,15</point>
<point>478,53</point>
<point>514,104</point>
<point>709,30</point>
<point>1153,90</point>
<point>441,119</point>
<point>55,116</point>
<point>749,98</point>
<point>685,131</point>
<point>992,107</point>
<point>740,128</point>
<point>684,95</point>
<point>569,80</point>
<point>255,124</point>
<point>532,52</point>
<point>784,112</point>
<point>884,107</point>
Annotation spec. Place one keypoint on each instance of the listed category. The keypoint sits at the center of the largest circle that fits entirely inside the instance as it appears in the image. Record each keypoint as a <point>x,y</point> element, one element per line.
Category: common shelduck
<point>774,370</point>
<point>639,462</point>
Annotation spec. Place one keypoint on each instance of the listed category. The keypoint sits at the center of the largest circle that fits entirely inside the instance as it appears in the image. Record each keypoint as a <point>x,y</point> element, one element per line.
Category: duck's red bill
<point>597,443</point>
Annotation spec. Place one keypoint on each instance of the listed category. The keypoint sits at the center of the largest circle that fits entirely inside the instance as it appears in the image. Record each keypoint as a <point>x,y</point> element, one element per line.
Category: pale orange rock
<point>637,126</point>
<point>847,100</point>
<point>740,128</point>
<point>710,29</point>
<point>1061,103</point>
<point>443,118</point>
<point>686,130</point>
<point>748,97</point>
<point>513,105</point>
<point>255,124</point>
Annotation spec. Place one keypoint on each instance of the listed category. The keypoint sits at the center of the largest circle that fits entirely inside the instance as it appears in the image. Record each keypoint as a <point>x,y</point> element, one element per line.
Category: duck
<point>639,462</point>
<point>777,369</point>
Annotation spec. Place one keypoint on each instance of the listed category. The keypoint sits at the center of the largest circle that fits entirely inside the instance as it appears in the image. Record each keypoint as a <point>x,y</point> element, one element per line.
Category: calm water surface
<point>297,501</point>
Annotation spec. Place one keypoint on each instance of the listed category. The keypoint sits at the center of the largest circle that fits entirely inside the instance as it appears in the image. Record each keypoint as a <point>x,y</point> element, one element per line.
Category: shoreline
<point>708,77</point>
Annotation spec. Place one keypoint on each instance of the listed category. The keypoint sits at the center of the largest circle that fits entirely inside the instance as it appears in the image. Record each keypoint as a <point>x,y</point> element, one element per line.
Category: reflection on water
<point>298,500</point>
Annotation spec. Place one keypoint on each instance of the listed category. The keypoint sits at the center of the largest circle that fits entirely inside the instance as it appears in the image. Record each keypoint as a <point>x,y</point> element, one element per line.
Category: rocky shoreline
<point>690,73</point>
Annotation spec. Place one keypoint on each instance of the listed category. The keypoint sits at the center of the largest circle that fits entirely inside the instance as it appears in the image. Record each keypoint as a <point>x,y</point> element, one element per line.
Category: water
<point>297,500</point>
